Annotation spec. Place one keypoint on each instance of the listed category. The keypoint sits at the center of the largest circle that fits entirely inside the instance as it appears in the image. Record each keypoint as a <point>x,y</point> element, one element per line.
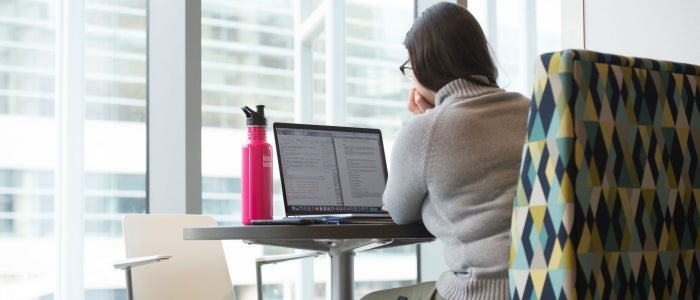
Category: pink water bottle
<point>256,176</point>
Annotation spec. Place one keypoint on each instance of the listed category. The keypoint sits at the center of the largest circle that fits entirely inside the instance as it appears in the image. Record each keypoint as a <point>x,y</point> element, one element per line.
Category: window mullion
<point>306,27</point>
<point>531,35</point>
<point>70,118</point>
<point>174,107</point>
<point>572,25</point>
<point>335,62</point>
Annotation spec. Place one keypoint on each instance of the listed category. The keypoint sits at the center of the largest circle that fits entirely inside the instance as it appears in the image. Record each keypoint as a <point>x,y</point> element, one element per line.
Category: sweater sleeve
<point>406,186</point>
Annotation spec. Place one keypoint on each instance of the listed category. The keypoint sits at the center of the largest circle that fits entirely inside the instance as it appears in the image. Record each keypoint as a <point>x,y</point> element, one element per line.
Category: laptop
<point>330,174</point>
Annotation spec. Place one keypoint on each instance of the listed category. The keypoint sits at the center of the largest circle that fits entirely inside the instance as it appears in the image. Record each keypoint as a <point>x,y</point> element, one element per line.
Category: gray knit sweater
<point>455,168</point>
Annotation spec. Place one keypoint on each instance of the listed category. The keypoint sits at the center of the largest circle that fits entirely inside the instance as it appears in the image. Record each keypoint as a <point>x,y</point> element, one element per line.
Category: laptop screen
<point>330,169</point>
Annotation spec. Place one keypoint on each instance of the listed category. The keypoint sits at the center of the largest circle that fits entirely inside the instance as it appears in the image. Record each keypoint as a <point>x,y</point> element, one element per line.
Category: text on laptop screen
<point>327,169</point>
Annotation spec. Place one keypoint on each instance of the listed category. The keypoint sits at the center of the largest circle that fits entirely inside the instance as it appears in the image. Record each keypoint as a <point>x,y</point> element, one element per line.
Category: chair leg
<point>129,291</point>
<point>258,278</point>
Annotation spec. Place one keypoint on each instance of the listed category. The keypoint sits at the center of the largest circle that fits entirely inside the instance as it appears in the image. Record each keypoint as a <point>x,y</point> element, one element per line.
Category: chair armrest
<point>137,261</point>
<point>127,264</point>
<point>273,259</point>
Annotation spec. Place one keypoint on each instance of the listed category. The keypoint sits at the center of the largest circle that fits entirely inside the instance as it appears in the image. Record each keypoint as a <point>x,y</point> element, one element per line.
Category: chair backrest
<point>609,190</point>
<point>197,269</point>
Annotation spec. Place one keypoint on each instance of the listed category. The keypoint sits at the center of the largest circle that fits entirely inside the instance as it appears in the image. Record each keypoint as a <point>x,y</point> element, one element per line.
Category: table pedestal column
<point>342,274</point>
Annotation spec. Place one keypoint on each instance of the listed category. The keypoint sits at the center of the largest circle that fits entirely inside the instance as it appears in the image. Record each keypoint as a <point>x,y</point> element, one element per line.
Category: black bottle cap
<point>253,117</point>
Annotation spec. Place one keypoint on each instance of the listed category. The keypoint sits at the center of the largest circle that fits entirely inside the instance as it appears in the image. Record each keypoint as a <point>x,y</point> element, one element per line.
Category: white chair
<point>194,270</point>
<point>191,269</point>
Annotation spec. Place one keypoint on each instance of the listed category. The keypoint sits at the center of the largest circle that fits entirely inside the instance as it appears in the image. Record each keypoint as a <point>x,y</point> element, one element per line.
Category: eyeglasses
<point>406,70</point>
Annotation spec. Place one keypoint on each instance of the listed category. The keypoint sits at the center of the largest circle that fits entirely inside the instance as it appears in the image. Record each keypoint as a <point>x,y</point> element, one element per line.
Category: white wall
<point>572,24</point>
<point>665,30</point>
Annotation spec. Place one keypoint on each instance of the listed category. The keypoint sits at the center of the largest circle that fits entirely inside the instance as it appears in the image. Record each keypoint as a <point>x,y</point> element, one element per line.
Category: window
<point>113,140</point>
<point>518,32</point>
<point>28,151</point>
<point>114,136</point>
<point>248,59</point>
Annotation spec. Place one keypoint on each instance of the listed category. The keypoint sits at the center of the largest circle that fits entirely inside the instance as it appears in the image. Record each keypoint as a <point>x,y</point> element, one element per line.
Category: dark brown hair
<point>445,43</point>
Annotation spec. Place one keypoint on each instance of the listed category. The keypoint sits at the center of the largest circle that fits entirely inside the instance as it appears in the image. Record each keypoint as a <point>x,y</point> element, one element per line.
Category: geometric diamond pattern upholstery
<point>607,204</point>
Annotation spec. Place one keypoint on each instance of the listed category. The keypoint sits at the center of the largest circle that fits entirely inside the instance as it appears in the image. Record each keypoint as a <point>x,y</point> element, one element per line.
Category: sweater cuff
<point>451,286</point>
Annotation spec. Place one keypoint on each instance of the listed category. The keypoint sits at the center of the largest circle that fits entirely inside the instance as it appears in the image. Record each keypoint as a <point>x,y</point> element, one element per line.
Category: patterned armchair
<point>607,205</point>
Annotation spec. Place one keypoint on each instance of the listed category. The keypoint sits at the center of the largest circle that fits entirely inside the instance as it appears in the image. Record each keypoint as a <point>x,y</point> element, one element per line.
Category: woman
<point>455,163</point>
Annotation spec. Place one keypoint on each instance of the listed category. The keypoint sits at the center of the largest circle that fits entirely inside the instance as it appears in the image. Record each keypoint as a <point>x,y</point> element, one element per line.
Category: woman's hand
<point>417,104</point>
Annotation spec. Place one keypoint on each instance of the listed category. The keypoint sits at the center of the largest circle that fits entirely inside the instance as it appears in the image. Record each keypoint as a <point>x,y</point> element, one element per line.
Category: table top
<point>321,237</point>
